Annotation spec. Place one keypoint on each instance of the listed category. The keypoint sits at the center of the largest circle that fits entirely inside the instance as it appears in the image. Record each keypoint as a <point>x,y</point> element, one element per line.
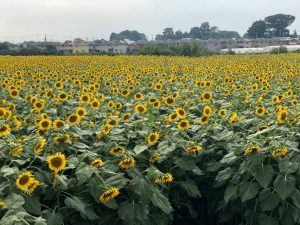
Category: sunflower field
<point>143,140</point>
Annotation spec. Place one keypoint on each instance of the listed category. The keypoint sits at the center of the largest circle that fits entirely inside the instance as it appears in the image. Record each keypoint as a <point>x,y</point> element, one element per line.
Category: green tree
<point>127,34</point>
<point>4,47</point>
<point>168,34</point>
<point>205,31</point>
<point>278,23</point>
<point>257,29</point>
<point>178,35</point>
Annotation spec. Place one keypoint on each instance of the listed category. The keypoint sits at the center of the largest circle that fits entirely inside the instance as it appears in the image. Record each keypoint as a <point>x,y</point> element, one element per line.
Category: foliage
<point>142,140</point>
<point>257,30</point>
<point>127,34</point>
<point>204,32</point>
<point>279,50</point>
<point>278,23</point>
<point>185,49</point>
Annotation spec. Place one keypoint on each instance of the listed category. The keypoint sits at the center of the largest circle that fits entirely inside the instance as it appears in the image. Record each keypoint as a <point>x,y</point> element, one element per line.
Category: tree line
<point>272,26</point>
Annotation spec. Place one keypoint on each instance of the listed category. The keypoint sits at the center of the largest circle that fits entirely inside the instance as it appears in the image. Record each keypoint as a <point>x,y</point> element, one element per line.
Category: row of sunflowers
<point>142,140</point>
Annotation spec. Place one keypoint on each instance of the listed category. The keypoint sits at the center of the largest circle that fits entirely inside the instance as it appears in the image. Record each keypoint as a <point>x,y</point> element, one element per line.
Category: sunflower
<point>252,149</point>
<point>158,86</point>
<point>127,163</point>
<point>172,117</point>
<point>62,139</point>
<point>138,96</point>
<point>24,180</point>
<point>44,124</point>
<point>206,96</point>
<point>233,118</point>
<point>113,122</point>
<point>183,125</point>
<point>39,133</point>
<point>125,117</point>
<point>63,96</point>
<point>279,152</point>
<point>2,112</point>
<point>275,99</point>
<point>170,101</point>
<point>74,119</point>
<point>97,163</point>
<point>181,113</point>
<point>4,130</point>
<point>294,102</point>
<point>207,110</point>
<point>262,127</point>
<point>81,111</point>
<point>118,150</point>
<point>222,113</point>
<point>16,151</point>
<point>14,93</point>
<point>141,108</point>
<point>165,178</point>
<point>282,116</point>
<point>85,98</point>
<point>57,162</point>
<point>38,148</point>
<point>203,120</point>
<point>109,194</point>
<point>154,157</point>
<point>153,138</point>
<point>35,183</point>
<point>95,104</point>
<point>195,148</point>
<point>156,104</point>
<point>2,203</point>
<point>39,105</point>
<point>58,85</point>
<point>260,111</point>
<point>58,124</point>
<point>125,93</point>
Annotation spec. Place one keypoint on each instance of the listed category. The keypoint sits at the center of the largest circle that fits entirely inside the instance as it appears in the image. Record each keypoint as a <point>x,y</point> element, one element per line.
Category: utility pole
<point>45,38</point>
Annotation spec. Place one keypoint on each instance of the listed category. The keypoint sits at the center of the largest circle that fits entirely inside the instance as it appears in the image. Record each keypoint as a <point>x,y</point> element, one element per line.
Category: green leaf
<point>191,188</point>
<point>6,171</point>
<point>39,221</point>
<point>143,189</point>
<point>188,163</point>
<point>14,201</point>
<point>32,205</point>
<point>268,200</point>
<point>140,148</point>
<point>284,186</point>
<point>286,166</point>
<point>286,215</point>
<point>117,180</point>
<point>248,190</point>
<point>161,201</point>
<point>133,213</point>
<point>55,219</point>
<point>264,175</point>
<point>230,193</point>
<point>83,173</point>
<point>296,199</point>
<point>62,182</point>
<point>76,203</point>
<point>264,219</point>
<point>164,147</point>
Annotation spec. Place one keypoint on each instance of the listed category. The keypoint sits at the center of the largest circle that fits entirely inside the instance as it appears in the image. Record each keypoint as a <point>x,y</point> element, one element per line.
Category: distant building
<point>80,46</point>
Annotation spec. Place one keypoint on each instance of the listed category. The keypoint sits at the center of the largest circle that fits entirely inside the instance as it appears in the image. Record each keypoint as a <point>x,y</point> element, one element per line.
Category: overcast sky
<point>66,19</point>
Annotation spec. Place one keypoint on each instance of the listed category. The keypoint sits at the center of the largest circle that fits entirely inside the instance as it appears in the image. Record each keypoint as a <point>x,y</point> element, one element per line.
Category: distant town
<point>126,46</point>
<point>261,37</point>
